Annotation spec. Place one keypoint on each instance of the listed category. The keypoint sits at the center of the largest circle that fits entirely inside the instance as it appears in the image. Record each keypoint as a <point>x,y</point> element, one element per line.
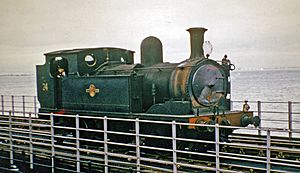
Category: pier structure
<point>31,144</point>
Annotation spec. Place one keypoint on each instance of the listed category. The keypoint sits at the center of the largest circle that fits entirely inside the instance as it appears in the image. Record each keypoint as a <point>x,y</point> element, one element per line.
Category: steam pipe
<point>197,39</point>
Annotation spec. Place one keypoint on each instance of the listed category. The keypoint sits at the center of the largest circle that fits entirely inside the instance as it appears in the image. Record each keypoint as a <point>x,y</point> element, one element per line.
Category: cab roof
<point>74,51</point>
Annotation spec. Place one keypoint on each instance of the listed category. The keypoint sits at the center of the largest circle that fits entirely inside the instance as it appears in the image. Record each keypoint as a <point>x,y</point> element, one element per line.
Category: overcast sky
<point>254,33</point>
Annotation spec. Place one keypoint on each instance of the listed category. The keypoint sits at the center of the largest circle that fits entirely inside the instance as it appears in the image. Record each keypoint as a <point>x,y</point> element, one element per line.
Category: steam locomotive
<point>106,81</point>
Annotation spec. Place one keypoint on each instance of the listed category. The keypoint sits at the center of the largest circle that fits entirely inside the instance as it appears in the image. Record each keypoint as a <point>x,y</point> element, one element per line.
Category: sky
<point>254,34</point>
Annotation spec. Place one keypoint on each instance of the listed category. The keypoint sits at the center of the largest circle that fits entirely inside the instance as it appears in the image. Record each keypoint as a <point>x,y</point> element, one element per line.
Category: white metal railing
<point>37,139</point>
<point>285,115</point>
<point>278,119</point>
<point>19,105</point>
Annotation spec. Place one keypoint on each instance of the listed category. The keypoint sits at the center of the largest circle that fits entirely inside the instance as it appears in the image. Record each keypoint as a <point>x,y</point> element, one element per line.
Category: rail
<point>33,143</point>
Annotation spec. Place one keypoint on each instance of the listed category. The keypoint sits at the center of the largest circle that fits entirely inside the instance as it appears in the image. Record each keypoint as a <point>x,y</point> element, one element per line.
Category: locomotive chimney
<point>197,39</point>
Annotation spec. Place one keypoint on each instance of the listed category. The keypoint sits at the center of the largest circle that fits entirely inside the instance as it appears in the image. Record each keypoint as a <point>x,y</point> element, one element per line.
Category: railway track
<point>241,153</point>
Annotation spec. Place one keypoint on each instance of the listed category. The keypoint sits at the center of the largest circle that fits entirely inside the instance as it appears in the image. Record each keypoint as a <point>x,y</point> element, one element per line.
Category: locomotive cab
<point>67,78</point>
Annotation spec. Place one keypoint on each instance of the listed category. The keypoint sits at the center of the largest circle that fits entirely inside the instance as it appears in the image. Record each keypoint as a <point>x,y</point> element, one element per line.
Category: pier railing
<point>19,105</point>
<point>283,115</point>
<point>30,143</point>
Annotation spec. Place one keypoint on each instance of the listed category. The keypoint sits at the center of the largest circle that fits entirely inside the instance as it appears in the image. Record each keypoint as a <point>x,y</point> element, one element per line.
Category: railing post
<point>259,115</point>
<point>23,105</point>
<point>174,146</point>
<point>2,104</point>
<point>268,150</point>
<point>52,143</point>
<point>35,106</point>
<point>11,153</point>
<point>105,144</point>
<point>12,105</point>
<point>11,147</point>
<point>217,140</point>
<point>77,144</point>
<point>137,142</point>
<point>290,118</point>
<point>30,143</point>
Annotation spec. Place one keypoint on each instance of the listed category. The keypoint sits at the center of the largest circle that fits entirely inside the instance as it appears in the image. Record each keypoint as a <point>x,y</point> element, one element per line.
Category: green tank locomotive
<point>106,81</point>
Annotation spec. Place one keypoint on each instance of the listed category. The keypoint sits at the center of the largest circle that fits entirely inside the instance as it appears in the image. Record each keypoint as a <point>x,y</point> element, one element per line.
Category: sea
<point>273,87</point>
